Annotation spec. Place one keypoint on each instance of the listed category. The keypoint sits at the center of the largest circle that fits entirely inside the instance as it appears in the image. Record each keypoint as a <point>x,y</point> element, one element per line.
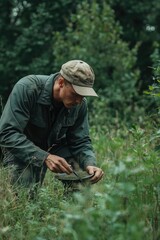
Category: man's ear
<point>61,82</point>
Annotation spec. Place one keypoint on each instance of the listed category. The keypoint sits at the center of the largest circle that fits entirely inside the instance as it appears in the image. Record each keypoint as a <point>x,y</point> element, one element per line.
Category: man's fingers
<point>65,166</point>
<point>91,171</point>
<point>97,176</point>
<point>52,166</point>
<point>98,173</point>
<point>58,164</point>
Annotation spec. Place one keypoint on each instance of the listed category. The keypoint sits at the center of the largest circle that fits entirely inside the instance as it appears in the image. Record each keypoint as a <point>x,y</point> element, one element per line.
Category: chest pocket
<point>37,128</point>
<point>37,122</point>
<point>39,117</point>
<point>63,122</point>
<point>64,127</point>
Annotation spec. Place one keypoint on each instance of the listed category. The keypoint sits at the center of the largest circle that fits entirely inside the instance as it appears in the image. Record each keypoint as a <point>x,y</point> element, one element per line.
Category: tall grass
<point>124,205</point>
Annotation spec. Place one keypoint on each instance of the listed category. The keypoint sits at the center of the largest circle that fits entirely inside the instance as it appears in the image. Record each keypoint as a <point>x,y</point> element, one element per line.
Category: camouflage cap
<point>80,75</point>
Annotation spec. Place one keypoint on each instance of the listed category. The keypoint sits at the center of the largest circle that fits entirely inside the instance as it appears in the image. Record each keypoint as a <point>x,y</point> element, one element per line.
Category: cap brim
<point>84,91</point>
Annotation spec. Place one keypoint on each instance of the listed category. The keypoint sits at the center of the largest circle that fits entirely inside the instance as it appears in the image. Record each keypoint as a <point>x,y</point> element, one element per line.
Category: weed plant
<point>124,205</point>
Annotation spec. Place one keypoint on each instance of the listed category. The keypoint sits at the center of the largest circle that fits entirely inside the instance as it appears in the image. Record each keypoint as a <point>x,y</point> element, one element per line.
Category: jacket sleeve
<point>79,141</point>
<point>13,121</point>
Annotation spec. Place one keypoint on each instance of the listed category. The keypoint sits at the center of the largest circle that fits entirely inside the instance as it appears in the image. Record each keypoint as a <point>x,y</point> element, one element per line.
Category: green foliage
<point>140,22</point>
<point>128,193</point>
<point>137,19</point>
<point>30,43</point>
<point>102,116</point>
<point>93,35</point>
<point>124,205</point>
<point>26,44</point>
<point>154,90</point>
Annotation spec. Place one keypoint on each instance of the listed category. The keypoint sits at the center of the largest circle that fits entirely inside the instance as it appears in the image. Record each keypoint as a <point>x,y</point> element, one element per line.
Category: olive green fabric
<point>32,122</point>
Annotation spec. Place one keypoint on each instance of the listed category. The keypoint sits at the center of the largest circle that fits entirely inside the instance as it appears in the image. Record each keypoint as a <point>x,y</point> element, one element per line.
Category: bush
<point>124,205</point>
<point>94,36</point>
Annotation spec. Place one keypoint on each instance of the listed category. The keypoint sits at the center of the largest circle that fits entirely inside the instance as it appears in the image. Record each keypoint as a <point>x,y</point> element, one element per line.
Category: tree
<point>140,22</point>
<point>26,29</point>
<point>93,35</point>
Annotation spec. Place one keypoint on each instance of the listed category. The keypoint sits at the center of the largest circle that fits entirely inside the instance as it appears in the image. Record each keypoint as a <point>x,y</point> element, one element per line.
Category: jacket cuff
<point>88,163</point>
<point>39,158</point>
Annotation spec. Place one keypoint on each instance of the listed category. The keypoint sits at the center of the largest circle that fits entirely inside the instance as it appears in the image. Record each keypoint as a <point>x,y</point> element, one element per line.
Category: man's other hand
<point>98,173</point>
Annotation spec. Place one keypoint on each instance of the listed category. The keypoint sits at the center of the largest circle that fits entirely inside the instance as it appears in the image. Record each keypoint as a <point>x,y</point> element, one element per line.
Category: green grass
<point>124,205</point>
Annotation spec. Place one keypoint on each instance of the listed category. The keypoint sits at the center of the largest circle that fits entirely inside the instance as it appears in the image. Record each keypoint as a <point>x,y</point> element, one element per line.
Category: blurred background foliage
<point>120,39</point>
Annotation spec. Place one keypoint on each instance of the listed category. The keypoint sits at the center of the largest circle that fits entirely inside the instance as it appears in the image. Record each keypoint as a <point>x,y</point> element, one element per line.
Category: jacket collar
<point>46,96</point>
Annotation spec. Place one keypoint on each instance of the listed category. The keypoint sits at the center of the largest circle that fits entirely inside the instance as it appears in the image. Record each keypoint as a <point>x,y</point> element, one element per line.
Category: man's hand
<point>98,173</point>
<point>57,164</point>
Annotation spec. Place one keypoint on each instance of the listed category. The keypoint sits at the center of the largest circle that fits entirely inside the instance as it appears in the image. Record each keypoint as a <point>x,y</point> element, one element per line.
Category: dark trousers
<point>30,176</point>
<point>26,175</point>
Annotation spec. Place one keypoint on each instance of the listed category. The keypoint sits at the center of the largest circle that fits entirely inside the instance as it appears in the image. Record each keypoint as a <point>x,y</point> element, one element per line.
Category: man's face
<point>68,96</point>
